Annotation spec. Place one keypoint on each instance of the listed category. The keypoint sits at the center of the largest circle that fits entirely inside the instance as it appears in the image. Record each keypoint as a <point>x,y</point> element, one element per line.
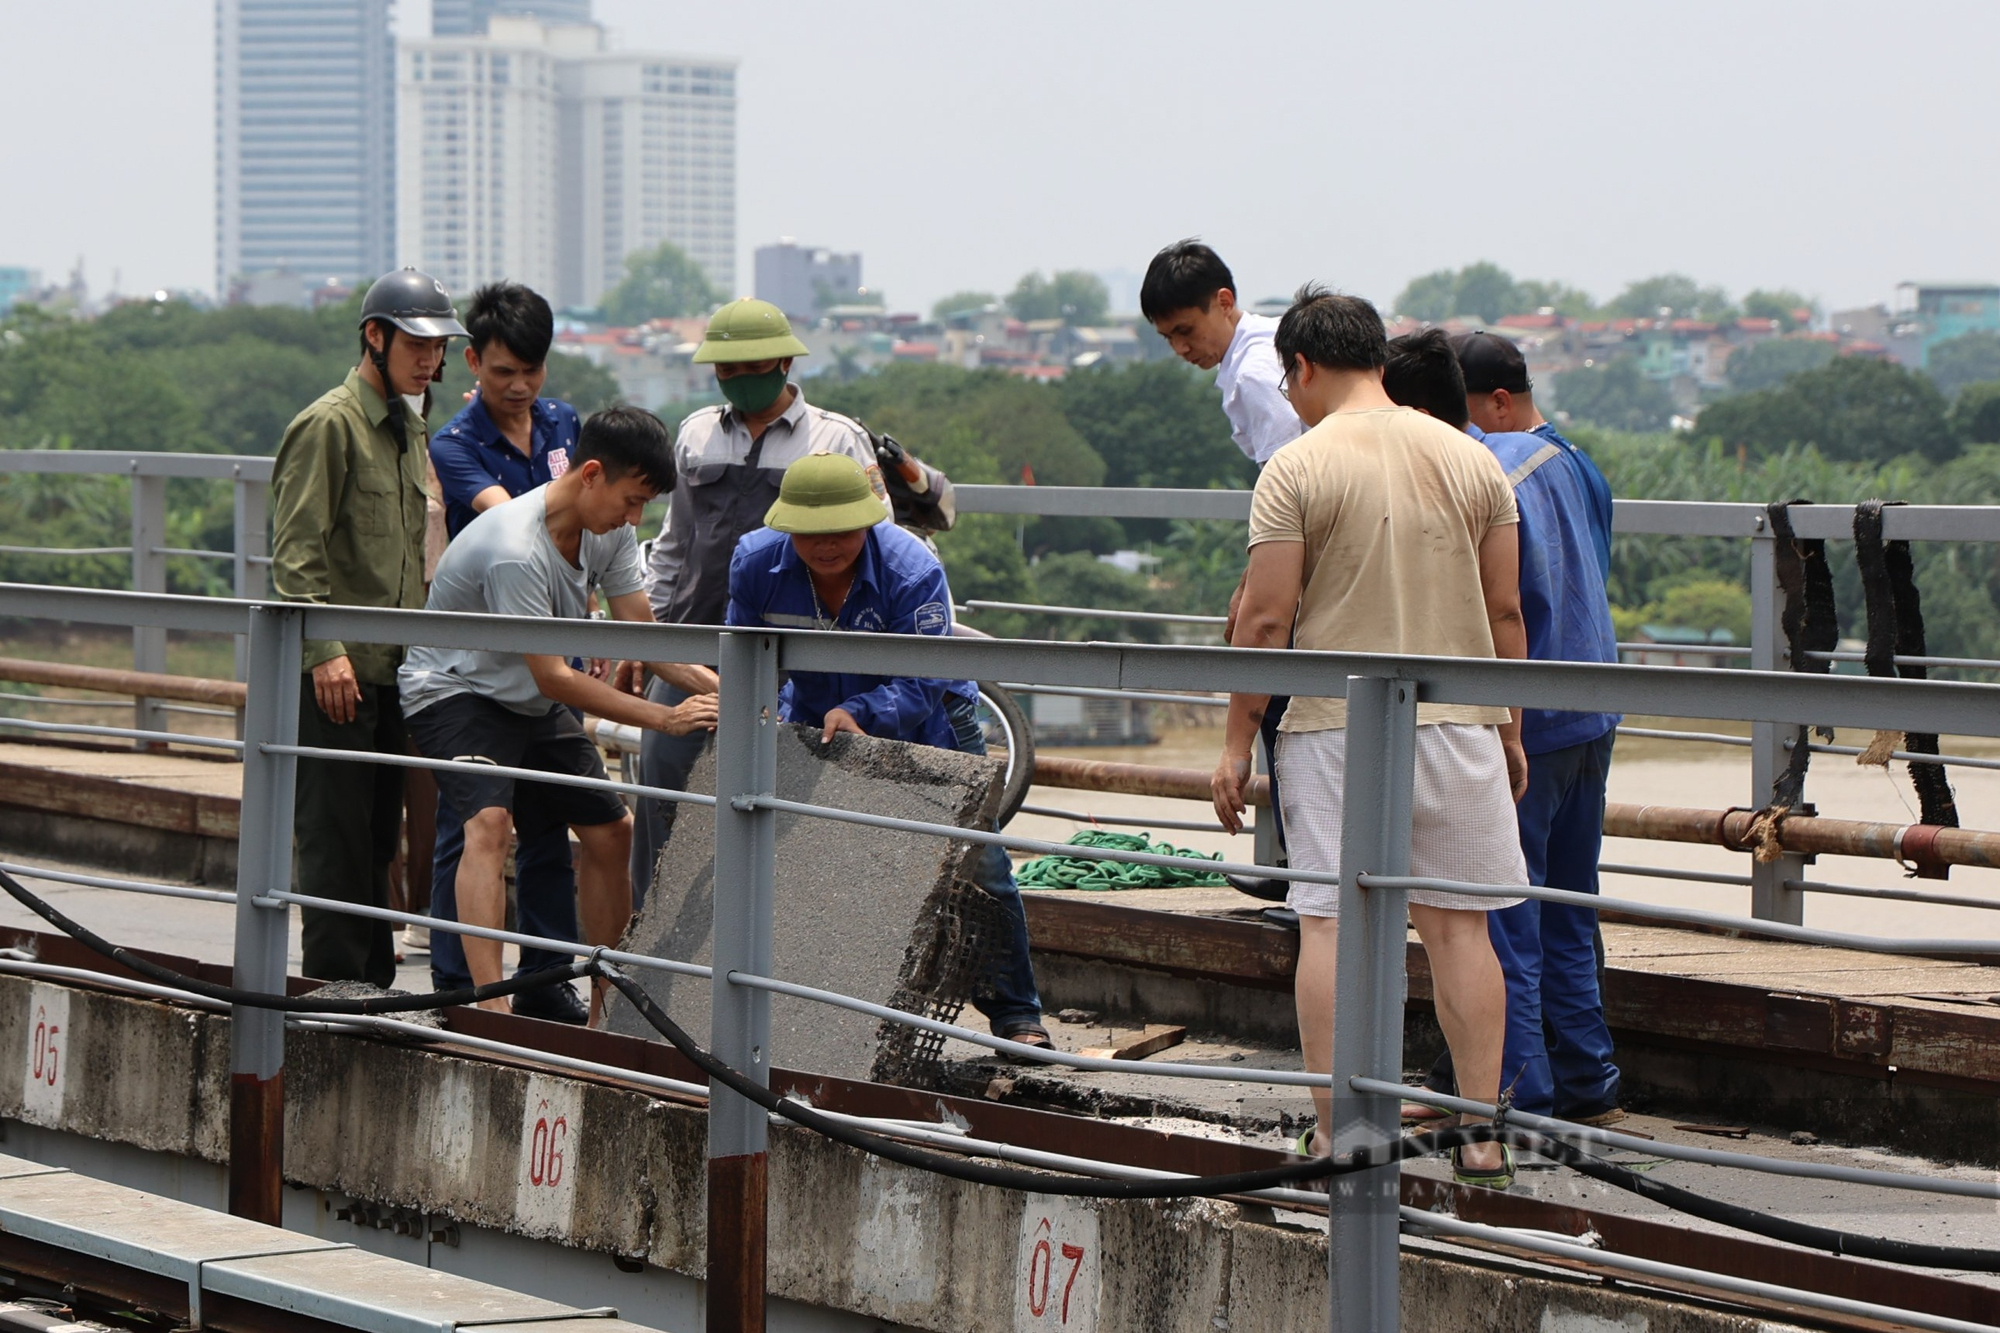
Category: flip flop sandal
<point>1500,1178</point>
<point>1423,1113</point>
<point>1028,1034</point>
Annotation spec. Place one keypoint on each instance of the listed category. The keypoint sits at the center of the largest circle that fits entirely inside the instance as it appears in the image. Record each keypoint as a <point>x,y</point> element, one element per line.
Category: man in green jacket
<point>347,519</point>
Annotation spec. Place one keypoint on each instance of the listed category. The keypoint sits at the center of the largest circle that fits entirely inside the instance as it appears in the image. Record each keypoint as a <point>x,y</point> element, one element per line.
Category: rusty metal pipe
<point>1806,834</point>
<point>140,684</point>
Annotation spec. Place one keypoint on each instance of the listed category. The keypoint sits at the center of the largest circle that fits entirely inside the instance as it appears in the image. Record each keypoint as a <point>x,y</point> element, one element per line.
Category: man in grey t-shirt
<point>543,555</point>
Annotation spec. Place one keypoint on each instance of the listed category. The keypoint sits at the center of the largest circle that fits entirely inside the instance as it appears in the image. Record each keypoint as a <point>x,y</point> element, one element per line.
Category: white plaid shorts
<point>1462,819</point>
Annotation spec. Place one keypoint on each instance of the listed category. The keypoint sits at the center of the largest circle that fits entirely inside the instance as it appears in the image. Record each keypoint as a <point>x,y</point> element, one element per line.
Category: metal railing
<point>1373,877</point>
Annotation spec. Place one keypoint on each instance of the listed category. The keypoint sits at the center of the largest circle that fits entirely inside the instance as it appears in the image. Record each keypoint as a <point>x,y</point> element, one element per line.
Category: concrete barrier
<point>617,1171</point>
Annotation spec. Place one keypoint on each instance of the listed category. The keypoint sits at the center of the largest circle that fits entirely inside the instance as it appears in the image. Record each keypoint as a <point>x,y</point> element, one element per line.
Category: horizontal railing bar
<point>1711,737</point>
<point>1095,613</point>
<point>1139,696</point>
<point>279,897</point>
<point>116,463</point>
<point>1103,501</point>
<point>1923,706</point>
<point>1127,821</point>
<point>1420,1221</point>
<point>122,885</point>
<point>1664,872</point>
<point>1972,663</point>
<point>1035,845</point>
<point>1746,925</point>
<point>1571,1132</point>
<point>65,550</point>
<point>123,733</point>
<point>150,990</point>
<point>197,710</point>
<point>1290,1078</point>
<point>66,703</point>
<point>488,770</point>
<point>194,552</point>
<point>1692,650</point>
<point>1897,895</point>
<point>1907,756</point>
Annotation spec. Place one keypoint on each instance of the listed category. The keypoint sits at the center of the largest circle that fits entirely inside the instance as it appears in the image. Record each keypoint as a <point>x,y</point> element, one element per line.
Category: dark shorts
<point>469,727</point>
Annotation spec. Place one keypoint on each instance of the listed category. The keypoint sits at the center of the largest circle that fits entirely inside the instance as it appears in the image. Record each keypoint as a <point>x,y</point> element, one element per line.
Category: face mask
<point>753,394</point>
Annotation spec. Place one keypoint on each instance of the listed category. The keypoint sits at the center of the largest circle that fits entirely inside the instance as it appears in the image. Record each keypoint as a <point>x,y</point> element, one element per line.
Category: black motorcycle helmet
<point>417,304</point>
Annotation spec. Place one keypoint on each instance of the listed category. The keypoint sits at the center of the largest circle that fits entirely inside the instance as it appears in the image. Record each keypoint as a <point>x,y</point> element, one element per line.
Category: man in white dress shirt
<point>1189,295</point>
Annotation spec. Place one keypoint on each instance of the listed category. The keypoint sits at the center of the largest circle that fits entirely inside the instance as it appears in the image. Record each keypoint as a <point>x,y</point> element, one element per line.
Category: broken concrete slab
<point>883,916</point>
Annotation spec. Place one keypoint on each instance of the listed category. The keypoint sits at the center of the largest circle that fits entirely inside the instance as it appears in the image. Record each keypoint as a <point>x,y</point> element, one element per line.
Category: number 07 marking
<point>1058,1244</point>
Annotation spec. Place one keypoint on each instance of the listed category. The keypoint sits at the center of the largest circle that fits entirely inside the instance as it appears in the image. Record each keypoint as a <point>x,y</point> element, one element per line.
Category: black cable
<point>299,1004</point>
<point>1749,1219</point>
<point>1014,1178</point>
<point>1017,1178</point>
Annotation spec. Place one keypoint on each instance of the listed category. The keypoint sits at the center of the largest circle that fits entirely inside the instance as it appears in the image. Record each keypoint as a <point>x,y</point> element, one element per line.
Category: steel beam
<point>263,863</point>
<point>746,765</point>
<point>1771,896</point>
<point>149,575</point>
<point>1378,783</point>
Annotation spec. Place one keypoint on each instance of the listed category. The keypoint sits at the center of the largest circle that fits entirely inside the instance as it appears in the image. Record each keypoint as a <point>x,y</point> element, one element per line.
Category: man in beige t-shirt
<point>1381,530</point>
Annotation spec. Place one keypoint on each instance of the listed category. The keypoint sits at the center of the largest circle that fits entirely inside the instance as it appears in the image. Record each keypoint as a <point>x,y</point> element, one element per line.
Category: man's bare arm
<point>1500,582</point>
<point>687,677</point>
<point>559,681</point>
<point>1268,605</point>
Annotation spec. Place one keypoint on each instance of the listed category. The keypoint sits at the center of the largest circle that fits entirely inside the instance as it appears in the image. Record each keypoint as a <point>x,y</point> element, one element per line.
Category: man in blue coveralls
<point>1558,1051</point>
<point>507,441</point>
<point>828,559</point>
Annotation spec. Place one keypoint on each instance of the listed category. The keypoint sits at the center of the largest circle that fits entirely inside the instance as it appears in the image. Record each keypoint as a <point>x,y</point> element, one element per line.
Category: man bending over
<point>1382,531</point>
<point>542,556</point>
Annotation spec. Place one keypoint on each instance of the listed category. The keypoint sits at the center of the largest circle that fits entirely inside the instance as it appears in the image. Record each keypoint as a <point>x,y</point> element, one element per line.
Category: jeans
<point>664,761</point>
<point>544,897</point>
<point>1558,1054</point>
<point>1007,996</point>
<point>347,821</point>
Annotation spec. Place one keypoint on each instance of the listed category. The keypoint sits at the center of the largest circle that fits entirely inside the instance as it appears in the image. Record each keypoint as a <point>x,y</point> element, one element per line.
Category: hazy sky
<point>1834,147</point>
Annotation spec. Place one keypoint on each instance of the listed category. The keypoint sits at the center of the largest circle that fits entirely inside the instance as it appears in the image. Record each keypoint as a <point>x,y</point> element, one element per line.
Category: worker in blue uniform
<point>827,559</point>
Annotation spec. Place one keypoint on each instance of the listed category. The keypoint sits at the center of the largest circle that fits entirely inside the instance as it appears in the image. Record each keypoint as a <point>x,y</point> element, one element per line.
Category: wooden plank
<point>1799,1023</point>
<point>99,798</point>
<point>1155,1037</point>
<point>1246,952</point>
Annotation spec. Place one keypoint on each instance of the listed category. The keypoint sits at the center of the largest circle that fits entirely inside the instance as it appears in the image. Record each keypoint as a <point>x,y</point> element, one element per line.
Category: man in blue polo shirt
<point>506,442</point>
<point>1558,1050</point>
<point>827,559</point>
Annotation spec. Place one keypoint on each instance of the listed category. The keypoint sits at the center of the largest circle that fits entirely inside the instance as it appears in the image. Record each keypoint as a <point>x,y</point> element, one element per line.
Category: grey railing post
<point>1264,820</point>
<point>263,863</point>
<point>250,547</point>
<point>149,574</point>
<point>746,764</point>
<point>1770,900</point>
<point>1369,988</point>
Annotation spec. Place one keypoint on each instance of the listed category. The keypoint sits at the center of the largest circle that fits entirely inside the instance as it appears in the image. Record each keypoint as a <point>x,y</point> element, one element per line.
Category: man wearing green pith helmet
<point>729,461</point>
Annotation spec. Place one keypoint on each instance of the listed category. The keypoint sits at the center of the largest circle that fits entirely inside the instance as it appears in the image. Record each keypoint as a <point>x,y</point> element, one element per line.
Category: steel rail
<point>1094,613</point>
<point>151,990</point>
<point>1289,1078</point>
<point>1141,696</point>
<point>487,770</point>
<point>1662,872</point>
<point>17,697</point>
<point>194,552</point>
<point>1078,816</point>
<point>1711,737</point>
<point>277,898</point>
<point>122,733</point>
<point>1907,756</point>
<point>1425,1222</point>
<point>1680,1152</point>
<point>1032,844</point>
<point>1746,925</point>
<point>1896,895</point>
<point>121,885</point>
<point>66,550</point>
<point>1691,649</point>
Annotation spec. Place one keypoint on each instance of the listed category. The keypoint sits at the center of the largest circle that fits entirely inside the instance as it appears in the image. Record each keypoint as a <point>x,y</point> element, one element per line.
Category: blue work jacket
<point>470,454</point>
<point>1563,601</point>
<point>1595,487</point>
<point>899,588</point>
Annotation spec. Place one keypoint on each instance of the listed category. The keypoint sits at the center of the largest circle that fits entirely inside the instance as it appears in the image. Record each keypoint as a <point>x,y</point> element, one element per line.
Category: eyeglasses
<point>1285,387</point>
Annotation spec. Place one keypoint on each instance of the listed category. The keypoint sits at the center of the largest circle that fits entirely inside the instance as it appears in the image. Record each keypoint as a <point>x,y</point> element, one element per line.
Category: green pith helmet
<point>748,330</point>
<point>825,493</point>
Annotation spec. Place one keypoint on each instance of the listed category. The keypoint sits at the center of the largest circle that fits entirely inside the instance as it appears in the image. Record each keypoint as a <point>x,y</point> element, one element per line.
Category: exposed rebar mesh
<point>948,956</point>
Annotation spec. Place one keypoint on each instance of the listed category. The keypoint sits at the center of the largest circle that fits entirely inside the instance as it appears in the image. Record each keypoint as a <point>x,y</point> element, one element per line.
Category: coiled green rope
<point>1057,871</point>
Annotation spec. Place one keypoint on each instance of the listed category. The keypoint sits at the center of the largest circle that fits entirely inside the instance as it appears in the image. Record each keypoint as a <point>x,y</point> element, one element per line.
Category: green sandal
<point>1501,1178</point>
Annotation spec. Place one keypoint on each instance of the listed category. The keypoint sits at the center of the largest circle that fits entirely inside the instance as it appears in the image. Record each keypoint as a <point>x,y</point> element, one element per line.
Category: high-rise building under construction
<point>460,18</point>
<point>305,153</point>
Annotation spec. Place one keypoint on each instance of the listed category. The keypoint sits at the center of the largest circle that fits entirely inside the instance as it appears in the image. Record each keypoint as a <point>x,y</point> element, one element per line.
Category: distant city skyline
<point>1771,145</point>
